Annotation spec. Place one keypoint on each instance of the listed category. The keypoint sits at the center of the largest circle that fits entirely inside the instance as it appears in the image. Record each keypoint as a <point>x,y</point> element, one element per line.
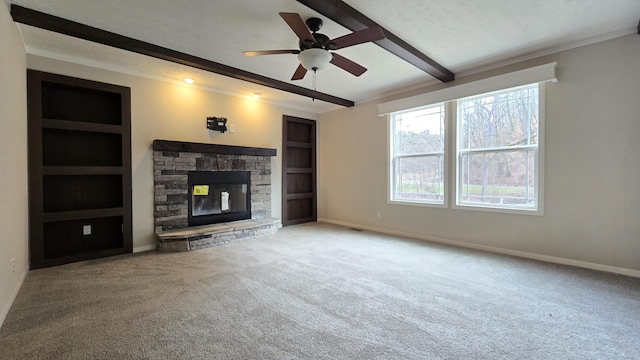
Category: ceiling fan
<point>314,47</point>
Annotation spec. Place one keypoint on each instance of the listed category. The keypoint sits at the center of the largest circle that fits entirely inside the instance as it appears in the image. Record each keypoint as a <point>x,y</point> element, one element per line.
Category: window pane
<point>420,131</point>
<point>499,119</point>
<point>420,179</point>
<point>498,178</point>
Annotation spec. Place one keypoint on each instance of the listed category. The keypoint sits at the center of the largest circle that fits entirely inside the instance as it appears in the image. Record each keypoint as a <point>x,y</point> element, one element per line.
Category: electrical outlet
<point>13,266</point>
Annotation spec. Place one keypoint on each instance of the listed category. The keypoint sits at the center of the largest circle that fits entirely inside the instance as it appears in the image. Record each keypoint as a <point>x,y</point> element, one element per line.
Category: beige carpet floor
<point>318,291</point>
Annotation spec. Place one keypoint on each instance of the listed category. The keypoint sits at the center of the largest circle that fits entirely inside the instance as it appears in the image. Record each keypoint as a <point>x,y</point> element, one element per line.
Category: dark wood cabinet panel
<point>298,157</point>
<point>80,103</point>
<point>64,147</point>
<point>299,183</point>
<point>61,238</point>
<point>81,192</point>
<point>79,169</point>
<point>300,211</point>
<point>300,132</point>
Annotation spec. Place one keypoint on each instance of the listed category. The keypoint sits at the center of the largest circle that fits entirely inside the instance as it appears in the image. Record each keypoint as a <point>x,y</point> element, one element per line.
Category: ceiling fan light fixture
<point>314,59</point>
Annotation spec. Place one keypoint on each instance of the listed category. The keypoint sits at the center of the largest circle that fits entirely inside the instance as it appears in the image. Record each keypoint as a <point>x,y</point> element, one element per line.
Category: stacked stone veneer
<point>172,194</point>
<point>171,189</point>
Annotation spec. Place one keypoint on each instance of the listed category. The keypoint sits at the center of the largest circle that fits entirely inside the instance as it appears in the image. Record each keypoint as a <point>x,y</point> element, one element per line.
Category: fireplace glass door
<point>218,196</point>
<point>218,199</point>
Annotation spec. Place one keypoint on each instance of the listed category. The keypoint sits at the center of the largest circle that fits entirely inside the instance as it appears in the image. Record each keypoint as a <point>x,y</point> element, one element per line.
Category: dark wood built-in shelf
<point>299,170</point>
<point>82,214</point>
<point>299,144</point>
<point>79,169</point>
<point>297,196</point>
<point>81,126</point>
<point>82,170</point>
<point>180,146</point>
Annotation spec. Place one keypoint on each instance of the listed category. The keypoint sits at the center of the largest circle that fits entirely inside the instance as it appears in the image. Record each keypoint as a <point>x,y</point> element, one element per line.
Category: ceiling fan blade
<point>358,37</point>
<point>269,52</point>
<point>347,65</point>
<point>298,26</point>
<point>300,73</point>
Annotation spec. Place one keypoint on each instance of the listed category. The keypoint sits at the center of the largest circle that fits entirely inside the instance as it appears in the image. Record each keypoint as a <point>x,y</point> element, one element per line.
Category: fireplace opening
<point>218,196</point>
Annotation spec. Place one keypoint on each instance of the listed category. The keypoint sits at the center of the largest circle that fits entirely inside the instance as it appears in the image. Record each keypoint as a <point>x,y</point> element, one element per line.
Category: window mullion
<point>408,156</point>
<point>498,149</point>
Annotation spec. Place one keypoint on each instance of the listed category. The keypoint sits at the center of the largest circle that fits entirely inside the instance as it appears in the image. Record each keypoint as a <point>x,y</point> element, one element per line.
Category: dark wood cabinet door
<point>299,190</point>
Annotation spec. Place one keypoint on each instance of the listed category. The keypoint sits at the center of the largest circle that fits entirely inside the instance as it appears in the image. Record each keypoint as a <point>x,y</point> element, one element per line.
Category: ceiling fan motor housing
<point>321,42</point>
<point>314,24</point>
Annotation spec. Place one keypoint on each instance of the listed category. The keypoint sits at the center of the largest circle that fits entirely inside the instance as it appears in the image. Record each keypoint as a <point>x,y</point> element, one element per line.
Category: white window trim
<point>532,75</point>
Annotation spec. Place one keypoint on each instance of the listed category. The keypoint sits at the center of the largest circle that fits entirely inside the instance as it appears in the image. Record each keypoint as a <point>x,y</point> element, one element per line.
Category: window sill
<point>418,203</point>
<point>503,210</point>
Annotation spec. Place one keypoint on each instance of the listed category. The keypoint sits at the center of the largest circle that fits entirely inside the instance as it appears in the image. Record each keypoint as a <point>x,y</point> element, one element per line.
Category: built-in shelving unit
<point>79,169</point>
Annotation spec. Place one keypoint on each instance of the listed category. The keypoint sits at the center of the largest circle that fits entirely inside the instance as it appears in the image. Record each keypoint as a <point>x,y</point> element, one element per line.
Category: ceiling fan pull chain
<point>314,85</point>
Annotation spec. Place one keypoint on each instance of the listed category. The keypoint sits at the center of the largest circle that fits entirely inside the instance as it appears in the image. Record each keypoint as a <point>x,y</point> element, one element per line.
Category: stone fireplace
<point>207,194</point>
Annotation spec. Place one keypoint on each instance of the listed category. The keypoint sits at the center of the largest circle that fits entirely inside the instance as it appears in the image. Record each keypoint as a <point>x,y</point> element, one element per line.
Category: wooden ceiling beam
<point>352,19</point>
<point>67,27</point>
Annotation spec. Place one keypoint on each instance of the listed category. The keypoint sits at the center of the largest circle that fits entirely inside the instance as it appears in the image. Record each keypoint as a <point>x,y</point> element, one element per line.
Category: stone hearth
<point>199,237</point>
<point>172,162</point>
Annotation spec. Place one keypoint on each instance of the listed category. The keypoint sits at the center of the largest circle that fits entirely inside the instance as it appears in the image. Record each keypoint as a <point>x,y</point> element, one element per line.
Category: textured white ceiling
<point>462,35</point>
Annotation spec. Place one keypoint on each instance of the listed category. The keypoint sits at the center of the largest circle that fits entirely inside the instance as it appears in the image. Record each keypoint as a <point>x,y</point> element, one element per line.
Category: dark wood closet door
<point>299,194</point>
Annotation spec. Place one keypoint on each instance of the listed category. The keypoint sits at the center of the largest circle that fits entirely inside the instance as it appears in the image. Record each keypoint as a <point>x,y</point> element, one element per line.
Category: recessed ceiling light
<point>256,95</point>
<point>188,80</point>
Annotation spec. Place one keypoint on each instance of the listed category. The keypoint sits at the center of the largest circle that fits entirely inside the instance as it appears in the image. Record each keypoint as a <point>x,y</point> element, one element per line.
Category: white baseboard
<point>144,248</point>
<point>523,254</point>
<point>6,309</point>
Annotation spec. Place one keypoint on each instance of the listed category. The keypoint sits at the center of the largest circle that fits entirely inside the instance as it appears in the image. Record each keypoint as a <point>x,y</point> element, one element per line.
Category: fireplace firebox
<point>218,196</point>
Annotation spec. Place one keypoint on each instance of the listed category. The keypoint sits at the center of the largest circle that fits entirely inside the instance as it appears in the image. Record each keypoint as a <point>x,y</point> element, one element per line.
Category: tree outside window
<point>418,155</point>
<point>498,148</point>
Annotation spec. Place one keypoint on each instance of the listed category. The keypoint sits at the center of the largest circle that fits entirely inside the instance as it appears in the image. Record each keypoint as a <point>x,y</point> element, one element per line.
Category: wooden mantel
<point>181,146</point>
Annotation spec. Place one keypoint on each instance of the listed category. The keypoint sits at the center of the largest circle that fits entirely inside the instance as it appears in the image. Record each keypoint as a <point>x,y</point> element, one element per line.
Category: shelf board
<point>82,170</point>
<point>294,170</point>
<point>81,214</point>
<point>299,144</point>
<point>297,196</point>
<point>81,126</point>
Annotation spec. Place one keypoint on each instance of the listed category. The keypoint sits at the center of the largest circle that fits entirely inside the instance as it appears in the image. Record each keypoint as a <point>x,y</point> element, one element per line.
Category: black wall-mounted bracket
<point>217,124</point>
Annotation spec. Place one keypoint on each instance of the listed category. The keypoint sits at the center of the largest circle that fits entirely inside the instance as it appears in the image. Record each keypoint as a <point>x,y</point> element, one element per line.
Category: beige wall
<point>13,160</point>
<point>168,111</point>
<point>592,181</point>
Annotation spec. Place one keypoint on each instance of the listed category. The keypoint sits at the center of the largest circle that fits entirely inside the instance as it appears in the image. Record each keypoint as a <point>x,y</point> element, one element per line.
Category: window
<point>497,149</point>
<point>496,162</point>
<point>418,143</point>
